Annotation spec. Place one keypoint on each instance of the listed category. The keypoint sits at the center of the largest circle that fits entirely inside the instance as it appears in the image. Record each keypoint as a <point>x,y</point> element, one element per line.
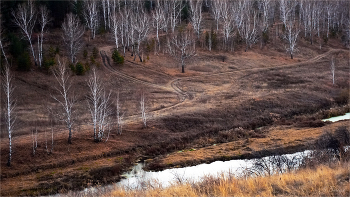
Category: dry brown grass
<point>322,181</point>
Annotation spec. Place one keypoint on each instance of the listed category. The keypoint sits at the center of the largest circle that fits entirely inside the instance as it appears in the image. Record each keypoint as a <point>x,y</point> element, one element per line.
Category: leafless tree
<point>119,116</point>
<point>116,24</point>
<point>104,121</point>
<point>43,21</point>
<point>107,10</point>
<point>46,147</point>
<point>174,8</point>
<point>25,18</point>
<point>124,28</point>
<point>90,13</point>
<point>141,26</point>
<point>99,106</point>
<point>266,11</point>
<point>216,7</point>
<point>292,29</point>
<point>329,8</point>
<point>305,8</point>
<point>265,7</point>
<point>284,10</point>
<point>131,32</point>
<point>94,99</point>
<point>196,15</point>
<point>1,39</point>
<point>158,17</point>
<point>72,35</point>
<point>10,106</point>
<point>66,98</point>
<point>181,47</point>
<point>227,20</point>
<point>333,68</point>
<point>143,110</point>
<point>248,28</point>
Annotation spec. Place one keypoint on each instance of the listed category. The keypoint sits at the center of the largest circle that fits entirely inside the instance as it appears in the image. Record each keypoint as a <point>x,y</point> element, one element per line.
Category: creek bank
<point>156,165</point>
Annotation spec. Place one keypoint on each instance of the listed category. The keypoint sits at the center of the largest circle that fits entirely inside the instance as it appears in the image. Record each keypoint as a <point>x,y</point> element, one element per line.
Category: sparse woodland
<point>125,78</point>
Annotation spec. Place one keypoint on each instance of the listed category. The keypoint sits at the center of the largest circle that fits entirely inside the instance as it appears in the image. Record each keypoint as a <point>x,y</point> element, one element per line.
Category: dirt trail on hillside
<point>172,85</point>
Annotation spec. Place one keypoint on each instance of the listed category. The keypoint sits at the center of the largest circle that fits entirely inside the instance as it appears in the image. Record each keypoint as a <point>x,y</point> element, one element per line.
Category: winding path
<point>172,86</point>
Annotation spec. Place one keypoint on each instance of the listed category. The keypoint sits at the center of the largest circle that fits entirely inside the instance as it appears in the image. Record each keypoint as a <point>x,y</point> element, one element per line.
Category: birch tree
<point>25,18</point>
<point>43,21</point>
<point>141,26</point>
<point>124,28</point>
<point>99,106</point>
<point>158,17</point>
<point>196,15</point>
<point>1,39</point>
<point>94,99</point>
<point>329,8</point>
<point>265,7</point>
<point>90,14</point>
<point>216,7</point>
<point>10,105</point>
<point>115,27</point>
<point>292,29</point>
<point>107,10</point>
<point>181,47</point>
<point>143,110</point>
<point>66,99</point>
<point>72,35</point>
<point>174,7</point>
<point>227,20</point>
<point>119,116</point>
<point>248,28</point>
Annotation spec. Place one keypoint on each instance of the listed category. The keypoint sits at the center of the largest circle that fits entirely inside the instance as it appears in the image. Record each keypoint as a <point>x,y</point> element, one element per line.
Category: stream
<point>338,118</point>
<point>137,178</point>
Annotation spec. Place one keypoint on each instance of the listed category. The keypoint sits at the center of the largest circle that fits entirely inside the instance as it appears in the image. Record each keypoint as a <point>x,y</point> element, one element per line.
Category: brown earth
<point>255,100</point>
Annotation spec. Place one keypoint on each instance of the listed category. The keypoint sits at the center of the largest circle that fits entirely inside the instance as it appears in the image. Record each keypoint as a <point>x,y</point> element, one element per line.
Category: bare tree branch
<point>72,35</point>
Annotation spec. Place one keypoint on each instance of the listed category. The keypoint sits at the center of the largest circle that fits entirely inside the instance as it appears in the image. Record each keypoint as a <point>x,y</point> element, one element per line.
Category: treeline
<point>145,26</point>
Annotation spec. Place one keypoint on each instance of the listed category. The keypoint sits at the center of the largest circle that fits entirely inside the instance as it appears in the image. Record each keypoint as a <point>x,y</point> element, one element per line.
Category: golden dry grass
<point>323,181</point>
